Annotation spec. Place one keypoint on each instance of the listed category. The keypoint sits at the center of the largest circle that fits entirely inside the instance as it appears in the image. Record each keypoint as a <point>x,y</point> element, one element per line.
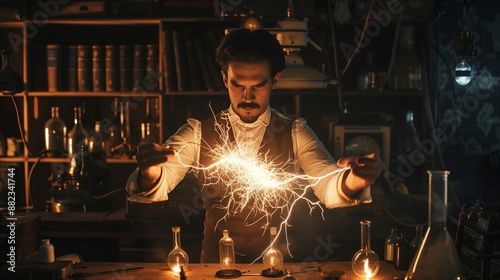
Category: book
<point>170,76</point>
<point>98,68</point>
<point>71,67</point>
<point>181,65</point>
<point>112,74</point>
<point>152,69</point>
<point>125,66</point>
<point>202,64</point>
<point>192,59</point>
<point>138,66</point>
<point>212,40</point>
<point>53,67</point>
<point>84,68</point>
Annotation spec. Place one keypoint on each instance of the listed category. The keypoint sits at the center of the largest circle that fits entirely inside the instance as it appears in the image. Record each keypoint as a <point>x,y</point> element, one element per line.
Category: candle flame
<point>368,271</point>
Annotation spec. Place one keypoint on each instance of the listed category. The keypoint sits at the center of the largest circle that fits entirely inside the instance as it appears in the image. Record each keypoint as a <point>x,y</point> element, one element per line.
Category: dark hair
<point>244,45</point>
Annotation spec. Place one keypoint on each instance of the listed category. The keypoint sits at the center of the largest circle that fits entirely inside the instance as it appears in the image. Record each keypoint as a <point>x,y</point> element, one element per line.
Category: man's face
<point>249,86</point>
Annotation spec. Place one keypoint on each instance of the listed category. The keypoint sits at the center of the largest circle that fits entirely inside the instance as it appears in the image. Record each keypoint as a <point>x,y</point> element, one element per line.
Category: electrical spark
<point>254,181</point>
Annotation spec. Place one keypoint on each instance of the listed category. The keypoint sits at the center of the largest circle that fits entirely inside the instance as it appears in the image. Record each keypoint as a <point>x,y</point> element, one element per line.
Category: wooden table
<point>197,271</point>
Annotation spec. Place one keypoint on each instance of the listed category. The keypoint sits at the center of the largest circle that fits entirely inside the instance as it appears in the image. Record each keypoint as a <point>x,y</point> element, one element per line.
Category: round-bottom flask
<point>365,262</point>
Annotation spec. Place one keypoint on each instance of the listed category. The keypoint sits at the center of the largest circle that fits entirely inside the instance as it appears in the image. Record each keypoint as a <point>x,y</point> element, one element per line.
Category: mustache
<point>248,105</point>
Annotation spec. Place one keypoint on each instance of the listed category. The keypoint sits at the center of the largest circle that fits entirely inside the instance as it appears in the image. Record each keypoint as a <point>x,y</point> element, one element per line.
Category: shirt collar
<point>263,119</point>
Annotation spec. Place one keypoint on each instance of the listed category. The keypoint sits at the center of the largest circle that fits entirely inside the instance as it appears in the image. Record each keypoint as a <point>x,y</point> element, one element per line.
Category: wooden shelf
<point>67,160</point>
<point>64,94</point>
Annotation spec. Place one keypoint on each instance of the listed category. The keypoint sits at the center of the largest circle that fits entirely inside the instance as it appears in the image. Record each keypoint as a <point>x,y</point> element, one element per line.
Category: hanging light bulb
<point>464,49</point>
<point>463,73</point>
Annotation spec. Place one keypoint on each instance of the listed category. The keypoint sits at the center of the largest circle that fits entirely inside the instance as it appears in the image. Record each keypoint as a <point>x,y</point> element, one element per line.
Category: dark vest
<point>248,228</point>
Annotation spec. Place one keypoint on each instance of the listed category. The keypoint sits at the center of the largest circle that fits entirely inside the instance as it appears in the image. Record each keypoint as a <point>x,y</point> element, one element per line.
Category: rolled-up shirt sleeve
<point>186,141</point>
<point>318,164</point>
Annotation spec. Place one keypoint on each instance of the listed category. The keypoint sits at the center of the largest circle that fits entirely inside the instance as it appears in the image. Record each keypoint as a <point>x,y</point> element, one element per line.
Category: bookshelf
<point>190,41</point>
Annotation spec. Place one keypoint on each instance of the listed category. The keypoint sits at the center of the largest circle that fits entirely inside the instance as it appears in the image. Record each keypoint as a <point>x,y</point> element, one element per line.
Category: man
<point>251,64</point>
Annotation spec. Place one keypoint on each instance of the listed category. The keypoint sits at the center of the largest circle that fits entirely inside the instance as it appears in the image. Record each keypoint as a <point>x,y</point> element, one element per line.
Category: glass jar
<point>55,134</point>
<point>46,252</point>
<point>437,257</point>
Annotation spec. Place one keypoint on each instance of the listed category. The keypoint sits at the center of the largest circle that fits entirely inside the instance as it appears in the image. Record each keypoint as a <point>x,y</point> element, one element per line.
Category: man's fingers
<point>152,154</point>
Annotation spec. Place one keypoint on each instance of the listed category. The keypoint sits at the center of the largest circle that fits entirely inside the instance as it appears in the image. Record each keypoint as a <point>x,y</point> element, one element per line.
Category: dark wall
<point>469,115</point>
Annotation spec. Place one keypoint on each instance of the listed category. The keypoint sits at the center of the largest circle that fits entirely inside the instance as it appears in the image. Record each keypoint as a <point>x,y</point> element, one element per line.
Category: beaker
<point>437,257</point>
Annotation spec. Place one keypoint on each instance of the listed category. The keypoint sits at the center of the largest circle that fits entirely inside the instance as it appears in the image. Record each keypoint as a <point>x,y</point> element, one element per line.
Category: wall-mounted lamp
<point>464,49</point>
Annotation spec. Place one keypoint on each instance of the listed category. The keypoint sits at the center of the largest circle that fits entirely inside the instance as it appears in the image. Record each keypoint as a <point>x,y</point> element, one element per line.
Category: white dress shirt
<point>311,156</point>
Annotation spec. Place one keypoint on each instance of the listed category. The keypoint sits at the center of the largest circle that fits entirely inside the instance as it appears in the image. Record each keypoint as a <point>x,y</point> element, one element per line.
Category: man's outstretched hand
<point>150,156</point>
<point>363,172</point>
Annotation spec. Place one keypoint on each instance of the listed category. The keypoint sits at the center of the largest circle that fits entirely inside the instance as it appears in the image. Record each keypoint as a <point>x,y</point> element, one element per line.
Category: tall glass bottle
<point>365,262</point>
<point>272,258</point>
<point>78,135</point>
<point>368,76</point>
<point>402,253</point>
<point>114,131</point>
<point>177,258</point>
<point>226,255</point>
<point>437,258</point>
<point>408,140</point>
<point>389,245</point>
<point>149,124</point>
<point>55,134</point>
<point>416,242</point>
<point>407,70</point>
<point>84,178</point>
<point>96,140</point>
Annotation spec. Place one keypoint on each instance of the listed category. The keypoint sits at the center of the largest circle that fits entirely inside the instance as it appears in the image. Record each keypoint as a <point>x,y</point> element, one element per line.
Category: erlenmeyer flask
<point>437,257</point>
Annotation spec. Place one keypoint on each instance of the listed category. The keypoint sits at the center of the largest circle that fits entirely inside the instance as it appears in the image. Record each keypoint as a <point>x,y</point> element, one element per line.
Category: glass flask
<point>78,135</point>
<point>177,258</point>
<point>416,242</point>
<point>437,257</point>
<point>272,258</point>
<point>226,256</point>
<point>365,262</point>
<point>407,70</point>
<point>389,245</point>
<point>55,134</point>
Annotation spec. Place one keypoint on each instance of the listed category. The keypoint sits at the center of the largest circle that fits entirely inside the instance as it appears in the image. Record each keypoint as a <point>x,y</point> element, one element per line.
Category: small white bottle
<point>46,252</point>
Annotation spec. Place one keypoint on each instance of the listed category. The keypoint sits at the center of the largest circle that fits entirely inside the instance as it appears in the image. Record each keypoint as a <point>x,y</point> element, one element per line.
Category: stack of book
<point>99,68</point>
